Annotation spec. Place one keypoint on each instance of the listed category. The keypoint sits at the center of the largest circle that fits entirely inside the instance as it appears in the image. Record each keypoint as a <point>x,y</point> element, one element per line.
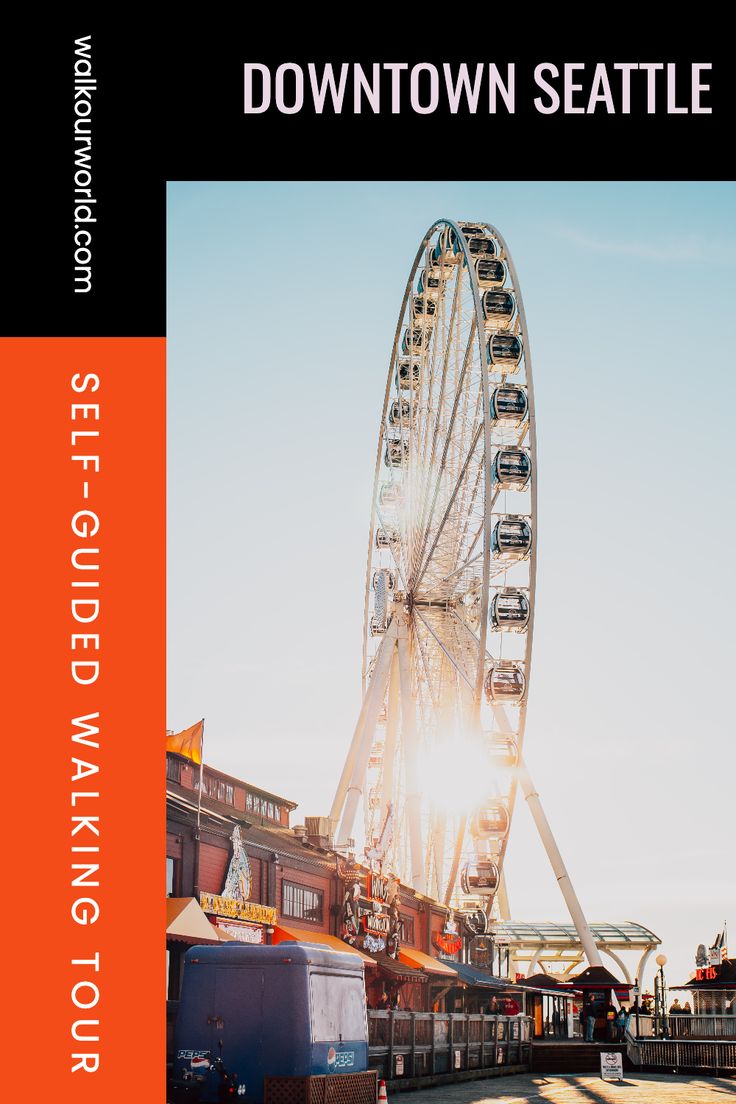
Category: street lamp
<point>660,998</point>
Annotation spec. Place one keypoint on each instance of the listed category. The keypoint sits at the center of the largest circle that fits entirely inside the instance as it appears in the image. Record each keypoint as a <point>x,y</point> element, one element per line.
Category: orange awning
<point>303,935</point>
<point>186,923</point>
<point>422,961</point>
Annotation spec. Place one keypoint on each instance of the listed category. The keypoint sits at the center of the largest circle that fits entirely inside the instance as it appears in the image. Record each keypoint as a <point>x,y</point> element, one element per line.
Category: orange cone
<point>382,1097</point>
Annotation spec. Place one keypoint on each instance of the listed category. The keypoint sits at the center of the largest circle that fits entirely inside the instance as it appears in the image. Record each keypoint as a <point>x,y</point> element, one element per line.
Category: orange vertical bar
<point>118,514</point>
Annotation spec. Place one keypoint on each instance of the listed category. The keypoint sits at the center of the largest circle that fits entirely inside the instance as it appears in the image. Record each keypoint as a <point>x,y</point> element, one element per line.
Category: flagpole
<point>199,789</point>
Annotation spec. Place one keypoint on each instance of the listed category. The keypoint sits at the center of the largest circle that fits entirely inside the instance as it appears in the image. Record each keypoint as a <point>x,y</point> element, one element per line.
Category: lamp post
<point>660,1000</point>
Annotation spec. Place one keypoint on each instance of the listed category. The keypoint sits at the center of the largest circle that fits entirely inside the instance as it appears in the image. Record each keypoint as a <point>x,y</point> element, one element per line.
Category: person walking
<point>620,1023</point>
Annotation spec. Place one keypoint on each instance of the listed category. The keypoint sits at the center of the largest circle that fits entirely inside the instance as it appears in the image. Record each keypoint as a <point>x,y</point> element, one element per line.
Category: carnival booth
<point>598,986</point>
<point>551,1004</point>
<point>713,990</point>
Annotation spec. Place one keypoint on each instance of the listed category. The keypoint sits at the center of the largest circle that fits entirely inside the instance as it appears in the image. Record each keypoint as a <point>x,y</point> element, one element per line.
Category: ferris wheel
<point>436,755</point>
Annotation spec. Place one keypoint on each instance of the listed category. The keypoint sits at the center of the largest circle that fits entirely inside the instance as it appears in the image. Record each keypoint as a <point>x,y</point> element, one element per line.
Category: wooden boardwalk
<point>580,1088</point>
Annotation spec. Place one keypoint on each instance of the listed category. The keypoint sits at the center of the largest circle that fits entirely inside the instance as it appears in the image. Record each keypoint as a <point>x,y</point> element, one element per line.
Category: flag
<point>188,743</point>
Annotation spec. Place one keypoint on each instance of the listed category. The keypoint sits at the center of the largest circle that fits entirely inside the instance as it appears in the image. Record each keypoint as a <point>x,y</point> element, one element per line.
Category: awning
<point>543,983</point>
<point>430,965</point>
<point>186,923</point>
<point>471,975</point>
<point>302,935</point>
<point>395,969</point>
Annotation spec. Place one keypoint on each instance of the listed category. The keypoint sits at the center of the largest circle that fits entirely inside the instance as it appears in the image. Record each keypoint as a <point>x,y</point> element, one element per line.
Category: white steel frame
<point>423,676</point>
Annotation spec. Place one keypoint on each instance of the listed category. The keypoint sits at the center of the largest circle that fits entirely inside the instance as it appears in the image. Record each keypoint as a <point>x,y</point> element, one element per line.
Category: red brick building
<point>293,886</point>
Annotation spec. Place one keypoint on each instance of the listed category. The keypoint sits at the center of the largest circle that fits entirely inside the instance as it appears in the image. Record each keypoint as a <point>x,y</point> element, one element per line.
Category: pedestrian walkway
<point>640,1088</point>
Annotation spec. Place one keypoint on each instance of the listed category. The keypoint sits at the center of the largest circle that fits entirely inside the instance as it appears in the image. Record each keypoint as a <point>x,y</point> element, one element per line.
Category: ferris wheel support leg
<point>503,898</point>
<point>455,861</point>
<point>439,853</point>
<point>409,729</point>
<point>352,779</point>
<point>558,866</point>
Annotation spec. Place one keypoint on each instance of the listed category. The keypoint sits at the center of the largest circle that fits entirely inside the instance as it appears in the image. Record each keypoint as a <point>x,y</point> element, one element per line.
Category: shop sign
<point>448,944</point>
<point>372,921</point>
<point>239,880</point>
<point>378,923</point>
<point>449,941</point>
<point>233,902</point>
<point>378,887</point>
<point>612,1066</point>
<point>244,933</point>
<point>237,910</point>
<point>707,973</point>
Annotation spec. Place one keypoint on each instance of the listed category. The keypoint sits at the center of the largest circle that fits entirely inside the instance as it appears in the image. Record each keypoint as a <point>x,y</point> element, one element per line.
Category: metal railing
<point>682,1053</point>
<point>685,1027</point>
<point>422,1044</point>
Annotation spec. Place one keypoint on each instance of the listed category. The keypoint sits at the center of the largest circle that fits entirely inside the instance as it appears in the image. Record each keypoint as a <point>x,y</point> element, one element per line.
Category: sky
<point>282,304</point>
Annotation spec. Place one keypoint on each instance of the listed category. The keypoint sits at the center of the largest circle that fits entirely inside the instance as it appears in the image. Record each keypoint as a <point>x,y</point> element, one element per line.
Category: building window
<point>301,903</point>
<point>407,928</point>
<point>173,770</point>
<point>221,791</point>
<point>263,807</point>
<point>173,868</point>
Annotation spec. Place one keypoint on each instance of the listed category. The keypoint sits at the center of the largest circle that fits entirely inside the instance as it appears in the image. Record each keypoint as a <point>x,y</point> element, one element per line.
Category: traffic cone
<point>382,1097</point>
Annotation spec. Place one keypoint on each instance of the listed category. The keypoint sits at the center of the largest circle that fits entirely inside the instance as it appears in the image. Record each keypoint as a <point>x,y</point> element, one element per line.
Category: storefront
<point>598,986</point>
<point>392,984</point>
<point>551,1004</point>
<point>441,977</point>
<point>712,990</point>
<point>477,991</point>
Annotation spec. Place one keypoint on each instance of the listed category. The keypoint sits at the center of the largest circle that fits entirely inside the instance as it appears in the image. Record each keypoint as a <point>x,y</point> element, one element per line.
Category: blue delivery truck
<point>248,1012</point>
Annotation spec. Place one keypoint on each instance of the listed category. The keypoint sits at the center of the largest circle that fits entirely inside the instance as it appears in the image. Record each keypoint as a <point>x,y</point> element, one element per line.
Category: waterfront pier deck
<point>581,1088</point>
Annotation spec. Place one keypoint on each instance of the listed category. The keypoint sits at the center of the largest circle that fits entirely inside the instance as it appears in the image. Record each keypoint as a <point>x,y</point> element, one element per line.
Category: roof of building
<point>621,935</point>
<point>219,819</point>
<point>725,979</point>
<point>239,782</point>
<point>595,977</point>
<point>544,983</point>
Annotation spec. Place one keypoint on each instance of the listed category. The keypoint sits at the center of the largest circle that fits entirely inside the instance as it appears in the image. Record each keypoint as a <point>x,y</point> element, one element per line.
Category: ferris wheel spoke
<point>442,626</point>
<point>426,521</point>
<point>450,504</point>
<point>430,677</point>
<point>432,430</point>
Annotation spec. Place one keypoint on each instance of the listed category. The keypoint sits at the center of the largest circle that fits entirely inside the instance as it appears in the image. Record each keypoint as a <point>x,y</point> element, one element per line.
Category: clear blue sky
<point>283,300</point>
